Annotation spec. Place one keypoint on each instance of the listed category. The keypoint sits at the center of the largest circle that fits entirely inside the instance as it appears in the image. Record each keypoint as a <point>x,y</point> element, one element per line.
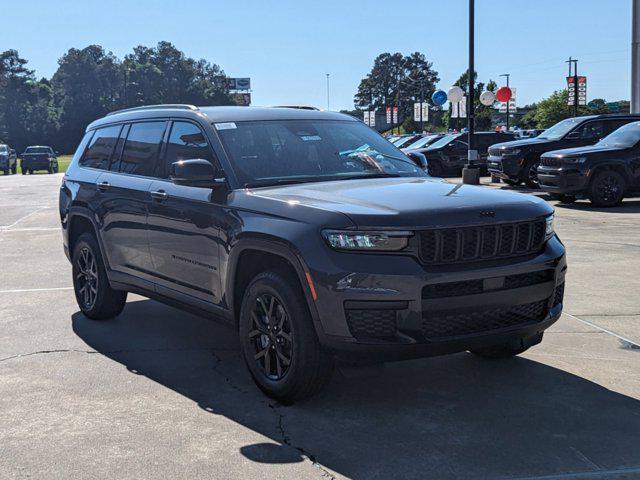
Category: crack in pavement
<point>274,407</point>
<point>106,352</point>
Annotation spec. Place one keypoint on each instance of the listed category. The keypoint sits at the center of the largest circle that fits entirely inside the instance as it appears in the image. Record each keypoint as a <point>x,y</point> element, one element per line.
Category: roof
<point>218,114</point>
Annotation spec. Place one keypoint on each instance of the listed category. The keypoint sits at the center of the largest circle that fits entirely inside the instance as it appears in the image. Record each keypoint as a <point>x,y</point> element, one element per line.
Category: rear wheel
<point>95,297</point>
<point>495,179</point>
<point>513,183</point>
<point>14,169</point>
<point>563,198</point>
<point>607,188</point>
<point>278,339</point>
<point>7,171</point>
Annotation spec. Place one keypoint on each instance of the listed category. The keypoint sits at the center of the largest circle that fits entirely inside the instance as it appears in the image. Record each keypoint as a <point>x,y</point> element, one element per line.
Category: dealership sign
<point>582,90</point>
<point>239,83</point>
<point>370,118</point>
<point>417,109</point>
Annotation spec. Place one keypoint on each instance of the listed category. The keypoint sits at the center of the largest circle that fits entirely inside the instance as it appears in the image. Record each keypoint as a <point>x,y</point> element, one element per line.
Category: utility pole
<point>327,91</point>
<point>635,56</point>
<point>507,75</point>
<point>574,62</point>
<point>471,172</point>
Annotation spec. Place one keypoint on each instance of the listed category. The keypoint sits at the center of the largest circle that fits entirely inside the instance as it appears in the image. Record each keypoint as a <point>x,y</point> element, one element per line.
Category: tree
<point>165,75</point>
<point>397,80</point>
<point>553,109</point>
<point>86,86</point>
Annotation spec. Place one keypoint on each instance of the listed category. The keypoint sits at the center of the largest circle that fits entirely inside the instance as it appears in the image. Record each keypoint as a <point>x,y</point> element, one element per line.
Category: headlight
<point>549,231</point>
<point>366,241</point>
<point>574,159</point>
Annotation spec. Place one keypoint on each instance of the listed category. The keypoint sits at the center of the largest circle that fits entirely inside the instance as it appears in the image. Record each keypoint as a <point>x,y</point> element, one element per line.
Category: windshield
<point>560,129</point>
<point>294,151</point>
<point>404,142</point>
<point>624,137</point>
<point>37,150</point>
<point>444,141</point>
<point>424,141</point>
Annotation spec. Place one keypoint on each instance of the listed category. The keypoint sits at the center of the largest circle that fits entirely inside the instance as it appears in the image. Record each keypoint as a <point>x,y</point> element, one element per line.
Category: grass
<point>63,164</point>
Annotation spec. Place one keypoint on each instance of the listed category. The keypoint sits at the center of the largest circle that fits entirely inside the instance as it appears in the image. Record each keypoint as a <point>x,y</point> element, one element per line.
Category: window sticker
<point>225,126</point>
<point>310,138</point>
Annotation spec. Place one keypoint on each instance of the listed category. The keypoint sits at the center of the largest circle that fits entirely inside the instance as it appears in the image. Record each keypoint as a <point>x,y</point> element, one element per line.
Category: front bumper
<point>397,309</point>
<point>35,164</point>
<point>562,180</point>
<point>507,167</point>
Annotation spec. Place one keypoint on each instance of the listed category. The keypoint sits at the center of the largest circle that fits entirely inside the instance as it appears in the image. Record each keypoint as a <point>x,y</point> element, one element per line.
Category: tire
<point>269,341</point>
<point>95,297</point>
<point>7,171</point>
<point>606,188</point>
<point>512,183</point>
<point>55,168</point>
<point>495,179</point>
<point>24,172</point>
<point>531,174</point>
<point>434,168</point>
<point>14,169</point>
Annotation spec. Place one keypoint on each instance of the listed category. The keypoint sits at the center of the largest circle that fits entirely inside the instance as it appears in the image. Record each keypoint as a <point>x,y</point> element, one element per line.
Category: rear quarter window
<point>100,148</point>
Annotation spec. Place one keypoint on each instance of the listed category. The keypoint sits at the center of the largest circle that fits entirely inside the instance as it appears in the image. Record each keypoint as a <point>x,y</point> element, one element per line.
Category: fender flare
<point>80,211</point>
<point>276,247</point>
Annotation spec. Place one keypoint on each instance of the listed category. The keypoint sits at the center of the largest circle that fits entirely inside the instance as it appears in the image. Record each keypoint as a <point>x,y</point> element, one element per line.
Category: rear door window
<point>100,149</point>
<point>592,130</point>
<point>140,154</point>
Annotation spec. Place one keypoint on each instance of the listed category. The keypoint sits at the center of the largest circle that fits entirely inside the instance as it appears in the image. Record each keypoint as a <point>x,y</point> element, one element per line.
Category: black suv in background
<point>310,234</point>
<point>450,152</point>
<point>604,173</point>
<point>8,159</point>
<point>516,162</point>
<point>38,157</point>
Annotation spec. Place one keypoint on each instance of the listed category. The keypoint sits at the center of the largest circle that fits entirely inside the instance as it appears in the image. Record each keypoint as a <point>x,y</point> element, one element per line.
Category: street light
<point>327,91</point>
<point>471,172</point>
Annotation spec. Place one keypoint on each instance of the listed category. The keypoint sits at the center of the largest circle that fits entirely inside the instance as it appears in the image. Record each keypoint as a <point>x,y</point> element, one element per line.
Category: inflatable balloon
<point>455,94</point>
<point>439,97</point>
<point>487,98</point>
<point>503,94</point>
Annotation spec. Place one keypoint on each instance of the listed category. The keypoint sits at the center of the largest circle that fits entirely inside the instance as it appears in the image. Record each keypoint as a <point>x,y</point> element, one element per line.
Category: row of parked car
<point>34,158</point>
<point>595,157</point>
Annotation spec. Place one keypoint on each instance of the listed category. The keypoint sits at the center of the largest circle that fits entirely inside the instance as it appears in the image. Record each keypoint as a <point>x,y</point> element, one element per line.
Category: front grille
<point>473,287</point>
<point>558,294</point>
<point>439,326</point>
<point>371,323</point>
<point>550,162</point>
<point>452,245</point>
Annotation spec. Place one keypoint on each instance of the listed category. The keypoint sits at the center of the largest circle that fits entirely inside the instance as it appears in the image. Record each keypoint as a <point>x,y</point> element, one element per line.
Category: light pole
<point>471,172</point>
<point>327,91</point>
<point>507,75</point>
<point>635,57</point>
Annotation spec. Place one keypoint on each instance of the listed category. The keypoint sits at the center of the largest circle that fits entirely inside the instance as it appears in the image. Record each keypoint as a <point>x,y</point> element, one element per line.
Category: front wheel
<point>14,169</point>
<point>531,174</point>
<point>278,339</point>
<point>435,169</point>
<point>607,189</point>
<point>95,297</point>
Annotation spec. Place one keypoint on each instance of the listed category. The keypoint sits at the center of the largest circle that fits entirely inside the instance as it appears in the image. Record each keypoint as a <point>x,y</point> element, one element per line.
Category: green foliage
<point>397,80</point>
<point>91,82</point>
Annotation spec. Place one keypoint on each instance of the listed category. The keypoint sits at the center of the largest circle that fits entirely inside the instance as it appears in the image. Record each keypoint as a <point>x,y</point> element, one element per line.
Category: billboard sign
<point>417,107</point>
<point>239,83</point>
<point>582,90</point>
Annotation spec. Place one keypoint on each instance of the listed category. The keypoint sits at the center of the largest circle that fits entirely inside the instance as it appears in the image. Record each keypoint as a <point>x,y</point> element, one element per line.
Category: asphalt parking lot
<point>158,393</point>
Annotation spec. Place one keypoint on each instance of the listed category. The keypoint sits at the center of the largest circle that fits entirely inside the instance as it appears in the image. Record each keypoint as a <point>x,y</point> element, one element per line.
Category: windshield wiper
<point>282,181</point>
<point>368,175</point>
<point>374,151</point>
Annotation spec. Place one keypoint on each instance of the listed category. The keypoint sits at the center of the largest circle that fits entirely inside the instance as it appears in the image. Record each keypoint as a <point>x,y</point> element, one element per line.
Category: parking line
<point>583,475</point>
<point>620,337</point>
<point>7,227</point>
<point>24,290</point>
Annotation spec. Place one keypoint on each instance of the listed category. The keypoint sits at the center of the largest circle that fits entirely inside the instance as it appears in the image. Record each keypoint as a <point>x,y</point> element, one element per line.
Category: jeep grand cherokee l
<point>309,233</point>
<point>516,162</point>
<point>604,173</point>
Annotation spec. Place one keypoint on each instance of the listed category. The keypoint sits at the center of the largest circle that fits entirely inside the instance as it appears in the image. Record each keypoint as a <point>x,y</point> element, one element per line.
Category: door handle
<point>104,186</point>
<point>159,195</point>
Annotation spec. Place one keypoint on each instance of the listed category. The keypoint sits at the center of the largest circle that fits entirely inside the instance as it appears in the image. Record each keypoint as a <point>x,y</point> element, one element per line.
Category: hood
<point>523,142</point>
<point>578,151</point>
<point>407,202</point>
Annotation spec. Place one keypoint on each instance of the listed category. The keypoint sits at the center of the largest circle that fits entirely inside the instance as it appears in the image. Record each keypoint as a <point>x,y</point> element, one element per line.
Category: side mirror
<point>195,173</point>
<point>574,135</point>
<point>418,158</point>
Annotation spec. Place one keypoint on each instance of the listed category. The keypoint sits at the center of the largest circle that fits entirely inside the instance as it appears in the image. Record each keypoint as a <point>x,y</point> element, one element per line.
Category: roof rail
<point>180,106</point>
<point>299,107</point>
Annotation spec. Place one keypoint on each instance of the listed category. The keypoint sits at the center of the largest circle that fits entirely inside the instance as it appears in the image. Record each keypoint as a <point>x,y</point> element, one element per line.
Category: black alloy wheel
<point>607,189</point>
<point>271,337</point>
<point>532,175</point>
<point>86,278</point>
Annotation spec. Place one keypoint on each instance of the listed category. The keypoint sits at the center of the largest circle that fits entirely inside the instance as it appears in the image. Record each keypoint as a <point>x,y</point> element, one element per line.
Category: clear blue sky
<point>288,46</point>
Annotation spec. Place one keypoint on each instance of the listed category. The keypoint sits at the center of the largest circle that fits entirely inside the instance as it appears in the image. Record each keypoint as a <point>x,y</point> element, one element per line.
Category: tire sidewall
<point>279,286</point>
<point>594,195</point>
<point>88,241</point>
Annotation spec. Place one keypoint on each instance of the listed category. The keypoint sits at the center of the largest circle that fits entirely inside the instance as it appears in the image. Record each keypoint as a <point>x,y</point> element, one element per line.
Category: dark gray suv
<point>308,232</point>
